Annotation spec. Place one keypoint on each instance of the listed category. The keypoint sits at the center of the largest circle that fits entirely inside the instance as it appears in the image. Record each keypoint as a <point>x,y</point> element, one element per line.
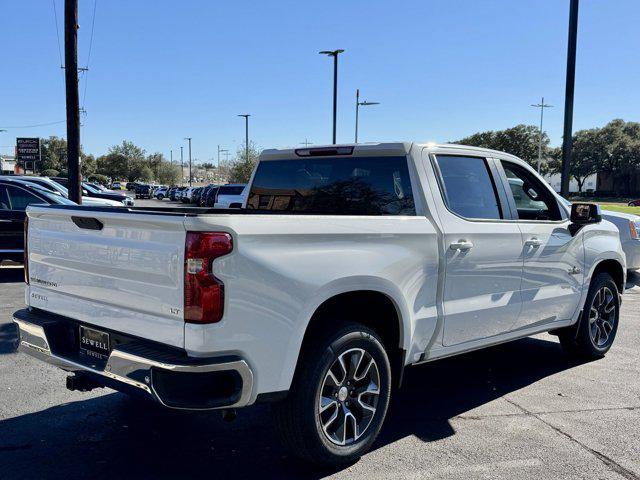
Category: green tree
<point>101,179</point>
<point>134,159</point>
<point>88,165</point>
<point>521,141</point>
<point>112,165</point>
<point>168,174</point>
<point>49,172</point>
<point>53,153</point>
<point>243,166</point>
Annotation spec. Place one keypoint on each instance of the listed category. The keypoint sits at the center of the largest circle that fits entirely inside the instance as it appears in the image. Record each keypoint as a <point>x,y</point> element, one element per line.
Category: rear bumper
<point>171,378</point>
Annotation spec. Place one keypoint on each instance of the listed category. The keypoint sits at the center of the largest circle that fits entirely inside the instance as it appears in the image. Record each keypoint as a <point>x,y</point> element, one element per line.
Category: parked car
<point>356,261</point>
<point>144,191</point>
<point>95,193</point>
<point>131,186</point>
<point>161,193</point>
<point>180,192</point>
<point>171,193</point>
<point>195,196</point>
<point>186,195</point>
<point>634,203</point>
<point>210,199</point>
<point>15,197</point>
<point>230,195</point>
<point>116,186</point>
<point>55,187</point>
<point>628,226</point>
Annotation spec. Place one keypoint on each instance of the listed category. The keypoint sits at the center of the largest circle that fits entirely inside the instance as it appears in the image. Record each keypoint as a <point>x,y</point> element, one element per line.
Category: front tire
<point>596,330</point>
<point>338,399</point>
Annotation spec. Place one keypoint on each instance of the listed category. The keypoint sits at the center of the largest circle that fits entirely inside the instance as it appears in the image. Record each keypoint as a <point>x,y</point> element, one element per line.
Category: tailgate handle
<point>88,223</point>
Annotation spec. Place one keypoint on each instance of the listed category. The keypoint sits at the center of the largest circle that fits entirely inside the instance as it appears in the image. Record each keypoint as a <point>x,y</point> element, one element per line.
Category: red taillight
<point>203,292</point>
<point>26,250</point>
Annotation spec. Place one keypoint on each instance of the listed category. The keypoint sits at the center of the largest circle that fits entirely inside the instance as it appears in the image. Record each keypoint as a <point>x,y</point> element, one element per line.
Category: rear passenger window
<point>468,187</point>
<point>334,186</point>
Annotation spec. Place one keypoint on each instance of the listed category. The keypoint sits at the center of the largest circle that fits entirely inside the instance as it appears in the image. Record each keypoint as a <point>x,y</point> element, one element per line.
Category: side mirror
<point>84,192</point>
<point>584,214</point>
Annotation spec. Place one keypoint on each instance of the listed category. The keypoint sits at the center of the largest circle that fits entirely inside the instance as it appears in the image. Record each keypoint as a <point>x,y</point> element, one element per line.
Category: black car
<point>195,196</point>
<point>210,201</point>
<point>144,191</point>
<point>15,196</point>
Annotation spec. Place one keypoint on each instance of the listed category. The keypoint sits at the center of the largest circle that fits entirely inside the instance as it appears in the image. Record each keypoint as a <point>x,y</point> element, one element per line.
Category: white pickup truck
<point>346,264</point>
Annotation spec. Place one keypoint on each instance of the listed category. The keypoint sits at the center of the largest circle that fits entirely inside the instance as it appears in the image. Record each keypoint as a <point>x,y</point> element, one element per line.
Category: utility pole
<point>246,135</point>
<point>541,106</point>
<point>189,139</point>
<point>181,166</point>
<point>221,150</point>
<point>171,156</point>
<point>567,140</point>
<point>73,100</point>
<point>306,142</point>
<point>334,54</point>
<point>358,105</point>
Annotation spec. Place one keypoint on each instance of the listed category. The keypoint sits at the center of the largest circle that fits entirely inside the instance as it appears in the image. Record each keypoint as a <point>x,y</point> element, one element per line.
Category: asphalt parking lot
<point>521,410</point>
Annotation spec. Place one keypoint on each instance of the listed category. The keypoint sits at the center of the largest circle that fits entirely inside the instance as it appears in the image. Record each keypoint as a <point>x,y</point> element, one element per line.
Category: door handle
<point>533,242</point>
<point>461,245</point>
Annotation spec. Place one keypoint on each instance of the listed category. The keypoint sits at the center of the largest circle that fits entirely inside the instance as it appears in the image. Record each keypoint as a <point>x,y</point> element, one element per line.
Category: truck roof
<point>383,149</point>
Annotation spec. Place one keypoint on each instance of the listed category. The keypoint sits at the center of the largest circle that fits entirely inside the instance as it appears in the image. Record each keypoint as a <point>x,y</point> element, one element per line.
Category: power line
<point>36,125</point>
<point>55,16</point>
<point>86,79</point>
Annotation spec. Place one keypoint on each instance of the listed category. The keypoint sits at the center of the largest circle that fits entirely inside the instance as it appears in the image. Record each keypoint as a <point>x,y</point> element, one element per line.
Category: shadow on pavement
<point>8,337</point>
<point>11,274</point>
<point>113,436</point>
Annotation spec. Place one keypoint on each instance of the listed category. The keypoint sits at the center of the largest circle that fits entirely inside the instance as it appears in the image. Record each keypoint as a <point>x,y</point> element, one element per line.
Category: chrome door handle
<point>533,242</point>
<point>461,245</point>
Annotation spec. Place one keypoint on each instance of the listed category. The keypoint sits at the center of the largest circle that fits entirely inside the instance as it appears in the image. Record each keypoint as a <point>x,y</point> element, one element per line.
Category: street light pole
<point>358,105</point>
<point>334,54</point>
<point>171,156</point>
<point>541,106</point>
<point>246,135</point>
<point>189,139</point>
<point>181,166</point>
<point>567,140</point>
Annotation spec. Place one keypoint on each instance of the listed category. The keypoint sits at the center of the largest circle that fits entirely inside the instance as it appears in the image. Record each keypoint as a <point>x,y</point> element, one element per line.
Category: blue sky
<point>442,69</point>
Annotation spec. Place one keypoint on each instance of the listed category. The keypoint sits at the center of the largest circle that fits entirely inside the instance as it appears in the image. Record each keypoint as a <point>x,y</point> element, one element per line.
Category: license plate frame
<point>94,343</point>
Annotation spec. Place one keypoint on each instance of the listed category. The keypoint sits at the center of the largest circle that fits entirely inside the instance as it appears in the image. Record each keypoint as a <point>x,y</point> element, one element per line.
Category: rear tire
<point>596,329</point>
<point>338,399</point>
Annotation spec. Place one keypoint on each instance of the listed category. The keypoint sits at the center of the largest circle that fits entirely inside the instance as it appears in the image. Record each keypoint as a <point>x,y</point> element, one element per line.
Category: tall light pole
<point>334,54</point>
<point>181,166</point>
<point>358,105</point>
<point>246,134</point>
<point>567,140</point>
<point>189,139</point>
<point>541,106</point>
<point>171,156</point>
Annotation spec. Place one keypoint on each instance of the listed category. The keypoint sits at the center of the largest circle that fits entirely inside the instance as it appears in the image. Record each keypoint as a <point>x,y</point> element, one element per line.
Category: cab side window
<point>19,199</point>
<point>4,200</point>
<point>533,200</point>
<point>468,187</point>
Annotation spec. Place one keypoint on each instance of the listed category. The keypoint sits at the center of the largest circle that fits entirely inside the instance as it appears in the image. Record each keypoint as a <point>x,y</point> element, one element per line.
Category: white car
<point>629,227</point>
<point>348,264</point>
<point>230,195</point>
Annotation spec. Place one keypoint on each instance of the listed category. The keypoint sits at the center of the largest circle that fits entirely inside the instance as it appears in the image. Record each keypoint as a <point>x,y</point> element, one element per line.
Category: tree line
<point>129,162</point>
<point>613,149</point>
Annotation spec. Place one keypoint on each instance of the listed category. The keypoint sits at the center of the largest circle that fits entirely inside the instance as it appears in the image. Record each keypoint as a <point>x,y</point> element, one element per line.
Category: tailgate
<point>115,269</point>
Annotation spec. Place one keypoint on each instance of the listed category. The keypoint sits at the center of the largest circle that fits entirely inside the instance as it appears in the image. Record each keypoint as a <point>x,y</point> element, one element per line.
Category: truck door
<point>553,259</point>
<point>483,250</point>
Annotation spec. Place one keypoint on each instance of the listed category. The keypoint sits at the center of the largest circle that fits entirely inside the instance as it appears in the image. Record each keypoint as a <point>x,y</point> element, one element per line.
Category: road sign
<point>27,149</point>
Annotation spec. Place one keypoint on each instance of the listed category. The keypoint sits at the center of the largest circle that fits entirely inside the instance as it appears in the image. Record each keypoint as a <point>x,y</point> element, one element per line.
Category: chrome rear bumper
<point>137,371</point>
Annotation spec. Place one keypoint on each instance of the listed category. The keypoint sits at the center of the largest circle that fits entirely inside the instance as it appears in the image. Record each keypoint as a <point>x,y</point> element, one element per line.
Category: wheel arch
<point>614,268</point>
<point>375,308</point>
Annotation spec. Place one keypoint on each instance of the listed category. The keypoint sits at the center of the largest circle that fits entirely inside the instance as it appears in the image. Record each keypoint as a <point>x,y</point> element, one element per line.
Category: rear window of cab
<point>334,186</point>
